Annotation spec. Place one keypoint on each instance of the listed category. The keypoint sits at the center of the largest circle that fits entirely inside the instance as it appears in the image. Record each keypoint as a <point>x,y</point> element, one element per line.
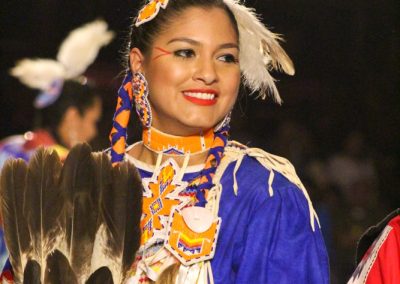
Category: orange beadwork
<point>189,246</point>
<point>157,141</point>
<point>160,196</point>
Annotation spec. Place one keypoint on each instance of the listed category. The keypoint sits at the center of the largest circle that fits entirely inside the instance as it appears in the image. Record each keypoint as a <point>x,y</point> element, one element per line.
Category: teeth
<point>203,96</point>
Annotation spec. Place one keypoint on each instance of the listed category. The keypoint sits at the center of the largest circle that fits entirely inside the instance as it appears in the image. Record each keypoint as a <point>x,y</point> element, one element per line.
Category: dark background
<point>346,55</point>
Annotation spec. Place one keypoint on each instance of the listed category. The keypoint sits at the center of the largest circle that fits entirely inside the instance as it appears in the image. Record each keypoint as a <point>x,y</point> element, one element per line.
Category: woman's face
<point>192,71</point>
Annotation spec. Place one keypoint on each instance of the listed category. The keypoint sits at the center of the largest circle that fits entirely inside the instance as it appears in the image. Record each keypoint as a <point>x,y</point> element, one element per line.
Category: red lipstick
<point>194,97</point>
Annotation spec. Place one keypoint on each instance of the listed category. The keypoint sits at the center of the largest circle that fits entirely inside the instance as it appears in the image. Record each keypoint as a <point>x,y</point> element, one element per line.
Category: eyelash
<point>189,53</point>
<point>184,53</point>
<point>230,58</point>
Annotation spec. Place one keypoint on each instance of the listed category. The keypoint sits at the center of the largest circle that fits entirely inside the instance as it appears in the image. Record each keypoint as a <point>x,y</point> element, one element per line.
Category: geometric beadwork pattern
<point>161,194</point>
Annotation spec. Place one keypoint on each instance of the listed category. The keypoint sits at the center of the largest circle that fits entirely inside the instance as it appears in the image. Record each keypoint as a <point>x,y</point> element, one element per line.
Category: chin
<point>187,129</point>
<point>199,125</point>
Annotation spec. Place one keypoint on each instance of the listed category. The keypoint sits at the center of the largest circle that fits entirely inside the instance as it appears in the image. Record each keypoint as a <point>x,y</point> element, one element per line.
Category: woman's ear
<point>136,60</point>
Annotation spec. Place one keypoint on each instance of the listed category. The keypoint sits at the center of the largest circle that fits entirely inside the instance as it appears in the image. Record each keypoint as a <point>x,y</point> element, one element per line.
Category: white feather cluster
<point>259,52</point>
<point>81,47</point>
<point>38,73</point>
<point>76,53</point>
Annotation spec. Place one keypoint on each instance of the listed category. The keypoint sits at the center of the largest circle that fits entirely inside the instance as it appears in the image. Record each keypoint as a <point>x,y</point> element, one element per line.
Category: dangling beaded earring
<point>224,123</point>
<point>141,95</point>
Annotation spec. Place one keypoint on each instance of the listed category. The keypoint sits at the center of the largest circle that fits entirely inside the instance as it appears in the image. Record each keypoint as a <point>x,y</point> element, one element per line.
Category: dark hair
<point>73,94</point>
<point>142,37</point>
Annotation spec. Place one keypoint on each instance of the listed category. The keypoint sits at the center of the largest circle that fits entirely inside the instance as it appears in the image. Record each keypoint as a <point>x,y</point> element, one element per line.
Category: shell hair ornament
<point>150,10</point>
<point>75,54</point>
<point>260,50</point>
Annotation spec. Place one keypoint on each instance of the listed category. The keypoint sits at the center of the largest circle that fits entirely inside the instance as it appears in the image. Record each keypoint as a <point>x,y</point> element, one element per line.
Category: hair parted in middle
<point>143,36</point>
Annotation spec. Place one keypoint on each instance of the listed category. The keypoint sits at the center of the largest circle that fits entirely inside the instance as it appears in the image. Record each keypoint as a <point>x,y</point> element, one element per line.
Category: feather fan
<point>13,180</point>
<point>62,223</point>
<point>77,182</point>
<point>43,204</point>
<point>101,276</point>
<point>32,273</point>
<point>119,234</point>
<point>259,51</point>
<point>81,47</point>
<point>103,177</point>
<point>58,270</point>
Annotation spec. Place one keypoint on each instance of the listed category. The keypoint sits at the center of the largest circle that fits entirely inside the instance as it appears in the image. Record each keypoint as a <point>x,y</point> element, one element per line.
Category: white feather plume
<point>38,73</point>
<point>81,47</point>
<point>259,51</point>
<point>76,53</point>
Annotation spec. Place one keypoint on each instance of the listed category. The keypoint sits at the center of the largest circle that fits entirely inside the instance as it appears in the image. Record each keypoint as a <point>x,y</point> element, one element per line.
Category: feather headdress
<point>259,51</point>
<point>76,53</point>
<point>72,223</point>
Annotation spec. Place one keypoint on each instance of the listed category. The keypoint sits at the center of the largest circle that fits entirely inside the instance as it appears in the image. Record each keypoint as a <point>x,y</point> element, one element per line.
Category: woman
<point>67,108</point>
<point>214,211</point>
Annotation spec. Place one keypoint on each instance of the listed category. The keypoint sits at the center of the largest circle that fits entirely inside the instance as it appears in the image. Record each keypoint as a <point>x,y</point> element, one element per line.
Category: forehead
<point>206,25</point>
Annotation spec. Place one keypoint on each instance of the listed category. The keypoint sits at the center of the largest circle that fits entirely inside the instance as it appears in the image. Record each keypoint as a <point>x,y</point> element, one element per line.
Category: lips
<point>201,97</point>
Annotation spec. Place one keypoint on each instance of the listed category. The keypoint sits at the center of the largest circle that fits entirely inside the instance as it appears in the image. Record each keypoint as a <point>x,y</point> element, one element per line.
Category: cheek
<point>87,130</point>
<point>165,82</point>
<point>231,87</point>
<point>166,74</point>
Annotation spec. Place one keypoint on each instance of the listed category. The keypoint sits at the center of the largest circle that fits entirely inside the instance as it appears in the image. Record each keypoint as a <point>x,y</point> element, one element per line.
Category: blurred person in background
<point>69,120</point>
<point>352,165</point>
<point>353,173</point>
<point>378,253</point>
<point>67,107</point>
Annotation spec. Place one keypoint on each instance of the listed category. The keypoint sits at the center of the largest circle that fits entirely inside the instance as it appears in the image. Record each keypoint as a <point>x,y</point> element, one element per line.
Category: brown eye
<point>185,53</point>
<point>228,58</point>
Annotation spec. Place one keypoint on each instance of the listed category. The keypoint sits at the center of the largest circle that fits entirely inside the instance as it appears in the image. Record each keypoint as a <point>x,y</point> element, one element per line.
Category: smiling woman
<point>214,211</point>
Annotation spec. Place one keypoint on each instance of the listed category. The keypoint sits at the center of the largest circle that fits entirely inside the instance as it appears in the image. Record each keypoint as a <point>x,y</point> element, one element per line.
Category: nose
<point>206,72</point>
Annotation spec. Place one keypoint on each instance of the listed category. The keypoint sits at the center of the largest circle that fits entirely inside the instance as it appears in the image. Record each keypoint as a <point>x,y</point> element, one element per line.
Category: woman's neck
<point>157,143</point>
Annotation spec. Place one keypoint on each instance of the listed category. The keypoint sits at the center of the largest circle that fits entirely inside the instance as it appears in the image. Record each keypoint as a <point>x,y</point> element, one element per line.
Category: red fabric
<point>38,138</point>
<point>6,275</point>
<point>386,268</point>
<point>381,263</point>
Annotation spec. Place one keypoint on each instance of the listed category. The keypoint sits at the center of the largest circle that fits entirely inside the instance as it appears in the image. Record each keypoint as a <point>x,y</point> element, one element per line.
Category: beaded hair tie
<point>118,133</point>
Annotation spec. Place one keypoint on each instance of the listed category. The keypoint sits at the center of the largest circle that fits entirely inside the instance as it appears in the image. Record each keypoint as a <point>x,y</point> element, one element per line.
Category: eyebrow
<point>195,42</point>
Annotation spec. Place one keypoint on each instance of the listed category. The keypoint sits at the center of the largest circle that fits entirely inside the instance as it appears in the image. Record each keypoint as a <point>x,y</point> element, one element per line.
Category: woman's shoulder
<point>259,163</point>
<point>269,177</point>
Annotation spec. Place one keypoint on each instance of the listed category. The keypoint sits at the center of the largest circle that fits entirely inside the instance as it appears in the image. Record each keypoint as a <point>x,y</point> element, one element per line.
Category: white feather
<point>81,47</point>
<point>38,73</point>
<point>259,51</point>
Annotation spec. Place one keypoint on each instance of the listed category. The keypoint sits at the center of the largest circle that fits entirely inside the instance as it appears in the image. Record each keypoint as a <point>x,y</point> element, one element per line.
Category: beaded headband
<point>260,50</point>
